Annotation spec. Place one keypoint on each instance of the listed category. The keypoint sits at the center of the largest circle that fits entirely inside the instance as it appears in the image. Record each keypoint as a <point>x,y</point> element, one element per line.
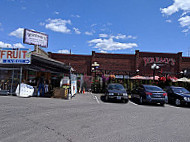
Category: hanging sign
<point>15,56</point>
<point>35,38</point>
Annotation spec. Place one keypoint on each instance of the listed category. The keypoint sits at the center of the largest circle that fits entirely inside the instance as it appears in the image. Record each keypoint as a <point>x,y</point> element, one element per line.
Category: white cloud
<point>179,5</point>
<point>1,29</point>
<point>18,33</point>
<point>42,24</point>
<point>7,45</point>
<point>185,30</point>
<point>93,25</point>
<point>168,21</point>
<point>88,33</point>
<point>102,51</point>
<point>120,36</point>
<point>56,12</point>
<point>132,37</point>
<point>76,30</point>
<point>185,21</point>
<point>75,16</point>
<point>183,5</point>
<point>58,25</point>
<point>103,35</point>
<point>4,45</point>
<point>18,45</point>
<point>110,44</point>
<point>64,51</point>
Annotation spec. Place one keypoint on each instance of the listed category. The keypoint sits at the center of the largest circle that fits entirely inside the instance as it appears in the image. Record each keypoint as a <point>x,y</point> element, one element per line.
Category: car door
<point>169,92</point>
<point>141,92</point>
<point>134,93</point>
<point>171,95</point>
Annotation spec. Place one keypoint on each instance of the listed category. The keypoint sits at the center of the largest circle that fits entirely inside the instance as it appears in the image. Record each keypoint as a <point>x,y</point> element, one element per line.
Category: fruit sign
<point>15,56</point>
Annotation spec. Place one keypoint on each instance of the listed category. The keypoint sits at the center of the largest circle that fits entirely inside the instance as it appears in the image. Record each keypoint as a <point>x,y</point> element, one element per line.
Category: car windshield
<point>115,86</point>
<point>153,88</point>
<point>180,90</point>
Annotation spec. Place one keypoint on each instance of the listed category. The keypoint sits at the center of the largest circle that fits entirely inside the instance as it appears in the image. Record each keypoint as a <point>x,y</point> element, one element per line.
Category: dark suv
<point>149,94</point>
<point>178,95</point>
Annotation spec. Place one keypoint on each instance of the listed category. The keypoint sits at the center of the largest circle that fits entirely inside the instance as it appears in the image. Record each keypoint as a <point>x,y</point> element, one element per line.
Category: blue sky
<point>110,26</point>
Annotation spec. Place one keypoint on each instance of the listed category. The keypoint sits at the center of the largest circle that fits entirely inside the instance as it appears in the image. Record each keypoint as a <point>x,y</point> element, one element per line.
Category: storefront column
<point>20,79</point>
<point>12,81</point>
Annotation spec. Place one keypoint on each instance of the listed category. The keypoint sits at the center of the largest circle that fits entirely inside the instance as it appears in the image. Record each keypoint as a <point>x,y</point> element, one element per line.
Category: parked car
<point>149,94</point>
<point>178,95</point>
<point>116,91</point>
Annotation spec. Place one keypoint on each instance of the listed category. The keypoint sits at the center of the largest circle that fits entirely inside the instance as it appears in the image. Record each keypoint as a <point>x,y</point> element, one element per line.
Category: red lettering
<point>15,55</point>
<point>157,59</point>
<point>24,54</point>
<point>2,53</point>
<point>172,62</point>
<point>162,60</point>
<point>145,61</point>
<point>19,54</point>
<point>151,60</point>
<point>167,60</point>
<point>9,54</point>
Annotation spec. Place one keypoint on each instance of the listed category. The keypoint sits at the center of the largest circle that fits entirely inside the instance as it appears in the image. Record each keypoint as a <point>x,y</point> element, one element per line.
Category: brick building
<point>127,64</point>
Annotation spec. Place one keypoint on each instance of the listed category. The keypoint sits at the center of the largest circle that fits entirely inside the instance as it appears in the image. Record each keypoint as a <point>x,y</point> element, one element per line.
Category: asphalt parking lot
<point>87,118</point>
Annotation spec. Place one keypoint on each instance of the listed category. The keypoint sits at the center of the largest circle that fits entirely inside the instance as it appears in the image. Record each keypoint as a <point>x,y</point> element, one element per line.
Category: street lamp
<point>154,67</point>
<point>94,66</point>
<point>137,71</point>
<point>183,73</point>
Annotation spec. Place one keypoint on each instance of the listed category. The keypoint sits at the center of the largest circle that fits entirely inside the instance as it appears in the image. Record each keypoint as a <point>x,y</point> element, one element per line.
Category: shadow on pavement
<point>136,101</point>
<point>102,98</point>
<point>182,106</point>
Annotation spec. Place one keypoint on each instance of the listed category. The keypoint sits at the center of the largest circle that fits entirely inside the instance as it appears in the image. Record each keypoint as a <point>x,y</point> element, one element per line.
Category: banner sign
<point>35,38</point>
<point>150,60</point>
<point>15,56</point>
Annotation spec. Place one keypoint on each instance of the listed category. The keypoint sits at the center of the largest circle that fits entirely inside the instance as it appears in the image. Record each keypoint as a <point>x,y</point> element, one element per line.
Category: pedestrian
<point>41,86</point>
<point>46,86</point>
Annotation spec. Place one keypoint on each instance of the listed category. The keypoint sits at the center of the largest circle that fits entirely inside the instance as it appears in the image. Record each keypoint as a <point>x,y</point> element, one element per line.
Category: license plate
<point>119,97</point>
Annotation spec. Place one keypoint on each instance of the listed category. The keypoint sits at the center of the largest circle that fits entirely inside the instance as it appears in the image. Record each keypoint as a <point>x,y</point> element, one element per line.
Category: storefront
<point>12,74</point>
<point>125,66</point>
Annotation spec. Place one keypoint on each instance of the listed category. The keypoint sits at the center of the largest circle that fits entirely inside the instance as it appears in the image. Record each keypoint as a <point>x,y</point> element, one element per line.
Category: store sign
<point>15,56</point>
<point>122,76</point>
<point>151,60</point>
<point>35,38</point>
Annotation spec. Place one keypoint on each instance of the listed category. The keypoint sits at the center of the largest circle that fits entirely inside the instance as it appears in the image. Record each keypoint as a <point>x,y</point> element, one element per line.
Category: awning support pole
<point>20,79</point>
<point>12,81</point>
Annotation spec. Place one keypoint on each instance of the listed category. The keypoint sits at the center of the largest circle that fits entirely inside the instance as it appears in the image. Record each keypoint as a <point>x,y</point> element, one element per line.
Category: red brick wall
<point>114,63</point>
<point>185,63</point>
<point>125,63</point>
<point>80,63</point>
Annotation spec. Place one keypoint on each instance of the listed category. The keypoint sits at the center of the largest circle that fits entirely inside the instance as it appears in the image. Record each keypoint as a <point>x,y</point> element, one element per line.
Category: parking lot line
<point>171,106</point>
<point>97,99</point>
<point>133,103</point>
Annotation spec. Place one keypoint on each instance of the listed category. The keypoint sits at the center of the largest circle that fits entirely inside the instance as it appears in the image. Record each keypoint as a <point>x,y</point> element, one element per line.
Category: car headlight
<point>185,98</point>
<point>110,94</point>
<point>124,94</point>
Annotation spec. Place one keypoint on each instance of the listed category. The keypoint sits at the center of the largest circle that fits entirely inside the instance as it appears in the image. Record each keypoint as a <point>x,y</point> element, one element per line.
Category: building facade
<point>127,64</point>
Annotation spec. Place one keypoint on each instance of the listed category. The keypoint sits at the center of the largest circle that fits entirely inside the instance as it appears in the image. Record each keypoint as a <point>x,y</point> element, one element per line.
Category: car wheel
<point>177,102</point>
<point>141,100</point>
<point>162,104</point>
<point>106,98</point>
<point>125,101</point>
